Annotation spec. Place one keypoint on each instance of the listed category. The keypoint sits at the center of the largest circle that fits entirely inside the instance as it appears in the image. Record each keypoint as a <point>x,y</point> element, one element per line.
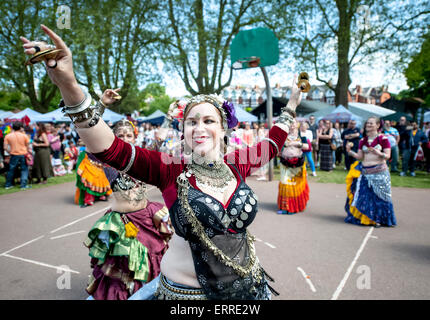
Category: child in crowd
<point>58,167</point>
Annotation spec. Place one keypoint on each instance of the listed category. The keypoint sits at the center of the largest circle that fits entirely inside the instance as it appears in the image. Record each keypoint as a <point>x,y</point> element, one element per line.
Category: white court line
<point>307,279</point>
<point>22,245</point>
<point>266,243</point>
<point>80,219</point>
<point>348,272</point>
<point>66,235</point>
<point>88,216</point>
<point>41,264</point>
<point>270,245</point>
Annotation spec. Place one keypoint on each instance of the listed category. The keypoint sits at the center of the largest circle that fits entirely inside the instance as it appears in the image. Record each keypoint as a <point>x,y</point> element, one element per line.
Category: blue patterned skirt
<point>369,196</point>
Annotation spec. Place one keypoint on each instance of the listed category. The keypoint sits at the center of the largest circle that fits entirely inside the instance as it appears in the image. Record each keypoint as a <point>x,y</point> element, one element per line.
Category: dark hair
<point>42,129</point>
<point>17,125</point>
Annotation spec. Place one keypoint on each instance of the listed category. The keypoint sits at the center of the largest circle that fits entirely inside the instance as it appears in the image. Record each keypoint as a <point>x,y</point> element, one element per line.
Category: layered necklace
<point>214,174</point>
<point>130,189</point>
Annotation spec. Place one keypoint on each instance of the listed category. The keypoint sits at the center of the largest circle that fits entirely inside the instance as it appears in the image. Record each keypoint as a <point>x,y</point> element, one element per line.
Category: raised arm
<point>249,158</point>
<point>148,166</point>
<point>98,137</point>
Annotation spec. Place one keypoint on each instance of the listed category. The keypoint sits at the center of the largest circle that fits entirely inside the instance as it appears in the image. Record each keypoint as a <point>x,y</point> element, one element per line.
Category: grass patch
<point>338,175</point>
<point>71,177</point>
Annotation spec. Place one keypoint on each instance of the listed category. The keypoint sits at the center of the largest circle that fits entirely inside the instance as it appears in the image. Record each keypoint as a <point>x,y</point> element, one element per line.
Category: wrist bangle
<point>86,110</point>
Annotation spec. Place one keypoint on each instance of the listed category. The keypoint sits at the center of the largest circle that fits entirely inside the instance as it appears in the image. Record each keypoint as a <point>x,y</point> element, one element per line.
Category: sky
<point>365,75</point>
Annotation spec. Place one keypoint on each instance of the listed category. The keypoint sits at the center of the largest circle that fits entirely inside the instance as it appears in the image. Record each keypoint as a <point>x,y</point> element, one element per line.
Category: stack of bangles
<point>87,109</point>
<point>287,116</point>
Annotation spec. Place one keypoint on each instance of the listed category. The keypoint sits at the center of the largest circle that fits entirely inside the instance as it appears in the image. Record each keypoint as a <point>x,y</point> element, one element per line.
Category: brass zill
<point>44,55</point>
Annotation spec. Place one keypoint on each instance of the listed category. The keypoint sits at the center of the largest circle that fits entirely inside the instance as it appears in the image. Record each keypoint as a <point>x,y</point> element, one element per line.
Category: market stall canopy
<point>26,112</point>
<point>426,116</point>
<point>342,114</point>
<point>157,117</point>
<point>366,110</point>
<point>396,116</point>
<point>111,116</point>
<point>53,116</point>
<point>243,116</point>
<point>6,114</point>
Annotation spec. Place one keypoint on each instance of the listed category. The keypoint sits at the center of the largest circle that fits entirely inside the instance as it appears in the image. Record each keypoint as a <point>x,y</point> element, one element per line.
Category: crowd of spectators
<point>37,152</point>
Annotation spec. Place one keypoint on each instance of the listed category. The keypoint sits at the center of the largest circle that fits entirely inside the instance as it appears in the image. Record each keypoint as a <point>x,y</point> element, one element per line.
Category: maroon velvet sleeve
<point>361,144</point>
<point>151,167</point>
<point>385,143</point>
<point>258,155</point>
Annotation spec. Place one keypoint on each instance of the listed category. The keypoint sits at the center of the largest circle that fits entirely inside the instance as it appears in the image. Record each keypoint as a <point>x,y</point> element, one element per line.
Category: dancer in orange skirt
<point>293,193</point>
<point>91,181</point>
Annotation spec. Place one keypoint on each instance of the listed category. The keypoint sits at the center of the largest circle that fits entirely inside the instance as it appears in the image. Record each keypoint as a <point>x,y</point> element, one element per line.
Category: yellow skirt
<point>352,175</point>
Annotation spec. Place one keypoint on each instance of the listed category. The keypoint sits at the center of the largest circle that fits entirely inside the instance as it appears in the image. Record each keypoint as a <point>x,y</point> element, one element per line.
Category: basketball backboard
<point>254,48</point>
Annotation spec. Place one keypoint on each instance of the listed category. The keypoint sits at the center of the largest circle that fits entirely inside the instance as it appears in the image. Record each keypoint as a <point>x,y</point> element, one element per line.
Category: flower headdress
<point>226,108</point>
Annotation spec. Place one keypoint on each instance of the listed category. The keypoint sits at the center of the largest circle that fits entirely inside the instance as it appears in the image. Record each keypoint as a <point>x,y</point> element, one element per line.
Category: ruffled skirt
<point>369,196</point>
<point>90,179</point>
<point>124,256</point>
<point>293,190</point>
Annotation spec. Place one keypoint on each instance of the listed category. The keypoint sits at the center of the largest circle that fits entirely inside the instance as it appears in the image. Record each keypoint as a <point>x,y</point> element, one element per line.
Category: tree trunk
<point>343,46</point>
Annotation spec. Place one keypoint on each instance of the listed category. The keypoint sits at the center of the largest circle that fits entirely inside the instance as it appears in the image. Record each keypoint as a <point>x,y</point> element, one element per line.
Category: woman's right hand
<point>60,70</point>
<point>295,96</point>
<point>108,96</point>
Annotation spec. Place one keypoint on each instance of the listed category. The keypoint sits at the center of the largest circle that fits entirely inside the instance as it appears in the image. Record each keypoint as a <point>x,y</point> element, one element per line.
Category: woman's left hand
<point>108,96</point>
<point>296,95</point>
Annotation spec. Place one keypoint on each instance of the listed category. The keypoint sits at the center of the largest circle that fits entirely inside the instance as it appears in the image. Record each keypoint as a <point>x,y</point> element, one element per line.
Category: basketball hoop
<point>251,62</point>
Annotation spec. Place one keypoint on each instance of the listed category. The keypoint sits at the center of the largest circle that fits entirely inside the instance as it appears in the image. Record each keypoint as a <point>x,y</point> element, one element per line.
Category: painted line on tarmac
<point>266,243</point>
<point>348,272</point>
<point>41,264</point>
<point>307,278</point>
<point>22,245</point>
<point>66,235</point>
<point>80,219</point>
<point>88,216</point>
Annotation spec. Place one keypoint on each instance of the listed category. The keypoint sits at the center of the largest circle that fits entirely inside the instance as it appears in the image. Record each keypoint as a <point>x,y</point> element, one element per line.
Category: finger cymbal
<point>304,85</point>
<point>43,56</point>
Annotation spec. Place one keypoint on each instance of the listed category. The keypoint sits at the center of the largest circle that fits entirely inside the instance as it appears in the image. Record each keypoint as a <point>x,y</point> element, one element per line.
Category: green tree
<point>196,39</point>
<point>23,18</point>
<point>154,98</point>
<point>417,72</point>
<point>110,40</point>
<point>333,37</point>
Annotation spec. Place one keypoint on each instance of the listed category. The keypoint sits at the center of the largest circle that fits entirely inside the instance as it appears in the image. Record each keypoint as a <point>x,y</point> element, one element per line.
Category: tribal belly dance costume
<point>222,248</point>
<point>293,190</point>
<point>369,191</point>
<point>126,247</point>
<point>91,181</point>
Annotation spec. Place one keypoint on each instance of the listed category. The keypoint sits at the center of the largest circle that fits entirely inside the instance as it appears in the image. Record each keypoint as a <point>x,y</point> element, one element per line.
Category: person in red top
<point>368,182</point>
<point>211,254</point>
<point>17,144</point>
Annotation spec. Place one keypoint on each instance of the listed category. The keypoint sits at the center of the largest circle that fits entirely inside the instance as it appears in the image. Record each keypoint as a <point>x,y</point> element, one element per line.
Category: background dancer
<point>293,190</point>
<point>368,182</point>
<point>128,242</point>
<point>91,181</point>
<point>211,254</point>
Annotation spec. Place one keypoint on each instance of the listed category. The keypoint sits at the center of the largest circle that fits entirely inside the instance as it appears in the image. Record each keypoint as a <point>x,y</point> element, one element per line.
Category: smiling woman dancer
<point>126,244</point>
<point>368,182</point>
<point>211,254</point>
